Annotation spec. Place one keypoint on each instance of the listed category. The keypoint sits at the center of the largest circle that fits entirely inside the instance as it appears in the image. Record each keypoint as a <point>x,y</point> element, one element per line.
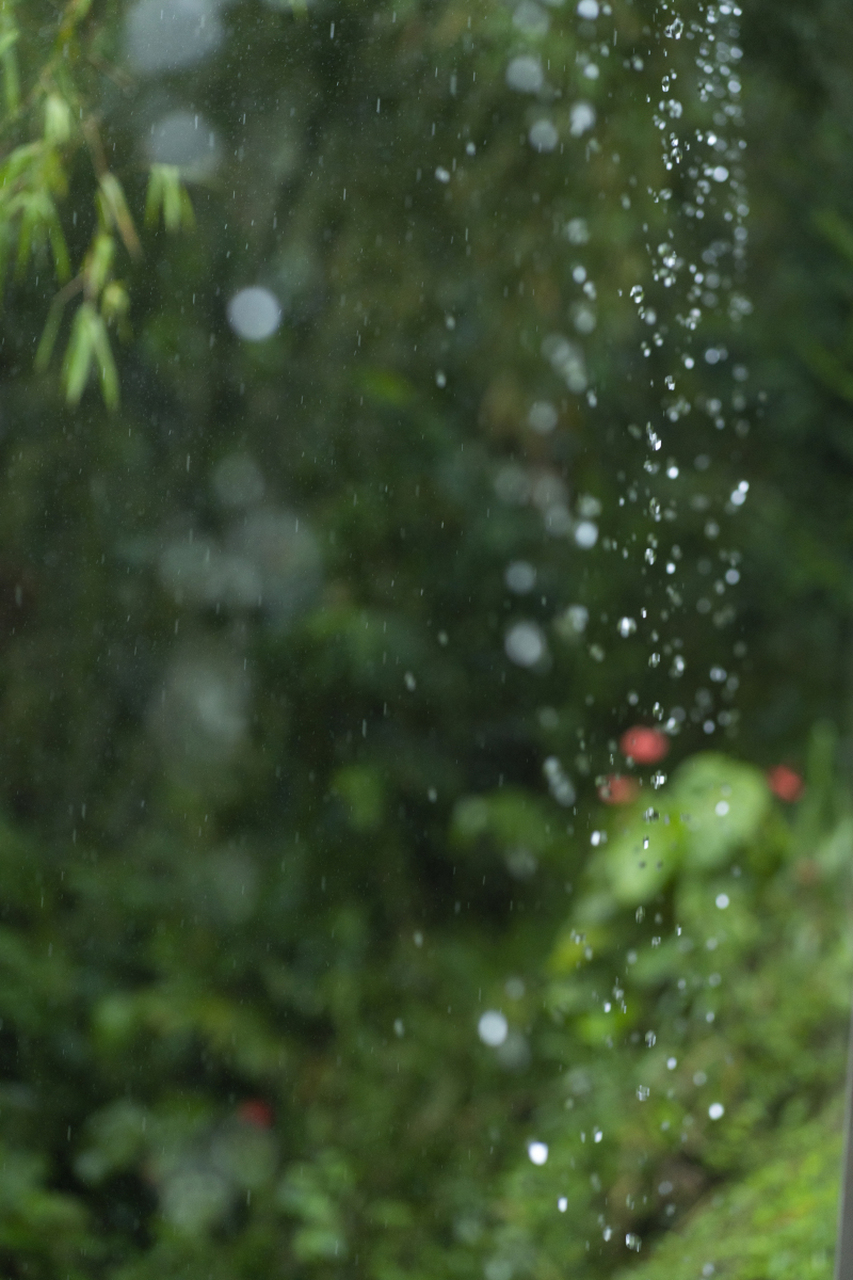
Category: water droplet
<point>543,136</point>
<point>573,621</point>
<point>627,627</point>
<point>254,313</point>
<point>530,18</point>
<point>492,1028</point>
<point>164,35</point>
<point>184,139</point>
<point>722,901</point>
<point>562,1204</point>
<point>521,863</point>
<point>588,506</point>
<point>716,1110</point>
<point>567,361</point>
<point>577,231</point>
<point>586,534</point>
<point>582,118</point>
<point>559,784</point>
<point>237,481</point>
<point>525,644</point>
<point>588,9</point>
<point>520,577</point>
<point>542,417</point>
<point>525,74</point>
<point>538,1152</point>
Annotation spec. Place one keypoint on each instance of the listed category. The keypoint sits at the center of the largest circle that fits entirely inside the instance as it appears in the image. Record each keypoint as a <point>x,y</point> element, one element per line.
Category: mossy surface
<point>779,1223</point>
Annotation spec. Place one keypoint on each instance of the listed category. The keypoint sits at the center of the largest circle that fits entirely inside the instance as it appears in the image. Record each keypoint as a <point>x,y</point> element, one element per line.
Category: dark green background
<point>264,868</point>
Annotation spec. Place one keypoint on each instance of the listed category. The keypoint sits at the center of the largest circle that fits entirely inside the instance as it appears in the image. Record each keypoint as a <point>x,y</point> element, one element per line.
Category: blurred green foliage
<point>283,818</point>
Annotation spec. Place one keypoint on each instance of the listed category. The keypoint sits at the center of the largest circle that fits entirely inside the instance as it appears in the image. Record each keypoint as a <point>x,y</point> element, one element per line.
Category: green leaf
<point>9,37</point>
<point>643,858</point>
<point>99,263</point>
<point>522,826</point>
<point>57,120</point>
<point>114,205</point>
<point>386,387</point>
<point>712,807</point>
<point>107,371</point>
<point>39,225</point>
<point>117,1139</point>
<point>837,231</point>
<point>59,248</point>
<point>363,791</point>
<point>828,369</point>
<point>11,75</point>
<point>722,803</point>
<point>115,302</point>
<point>16,164</point>
<point>49,336</point>
<point>168,196</point>
<point>80,353</point>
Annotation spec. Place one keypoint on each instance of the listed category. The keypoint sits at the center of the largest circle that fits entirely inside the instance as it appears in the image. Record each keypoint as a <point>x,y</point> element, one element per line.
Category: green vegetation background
<point>264,866</point>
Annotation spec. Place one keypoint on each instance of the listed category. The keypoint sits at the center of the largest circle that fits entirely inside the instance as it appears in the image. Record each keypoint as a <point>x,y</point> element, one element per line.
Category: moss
<point>778,1224</point>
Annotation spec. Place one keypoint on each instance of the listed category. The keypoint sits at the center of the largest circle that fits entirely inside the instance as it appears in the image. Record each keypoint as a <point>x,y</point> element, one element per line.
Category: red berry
<point>618,790</point>
<point>256,1112</point>
<point>644,745</point>
<point>785,783</point>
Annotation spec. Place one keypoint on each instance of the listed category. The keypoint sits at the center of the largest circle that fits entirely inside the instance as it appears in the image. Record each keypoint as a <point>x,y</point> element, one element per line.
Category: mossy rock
<point>778,1224</point>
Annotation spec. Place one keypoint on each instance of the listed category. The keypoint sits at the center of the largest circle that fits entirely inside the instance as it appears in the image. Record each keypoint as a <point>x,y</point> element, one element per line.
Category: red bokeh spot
<point>618,790</point>
<point>644,745</point>
<point>256,1112</point>
<point>785,783</point>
